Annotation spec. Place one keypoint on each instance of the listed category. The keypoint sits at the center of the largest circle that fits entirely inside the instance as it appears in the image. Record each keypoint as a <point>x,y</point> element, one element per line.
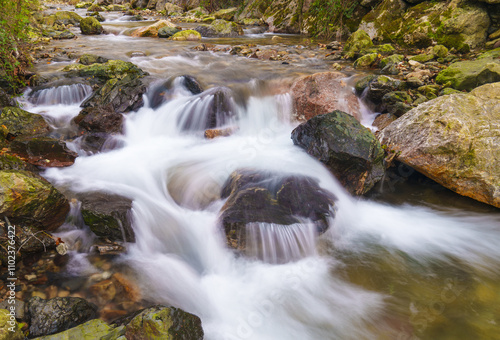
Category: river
<point>412,261</point>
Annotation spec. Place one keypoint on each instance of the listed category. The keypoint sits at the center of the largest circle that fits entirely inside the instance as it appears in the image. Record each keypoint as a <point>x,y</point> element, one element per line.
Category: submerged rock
<point>466,75</point>
<point>451,140</point>
<point>348,149</point>
<point>58,314</point>
<point>29,199</point>
<point>263,197</point>
<point>321,93</point>
<point>220,28</point>
<point>90,26</point>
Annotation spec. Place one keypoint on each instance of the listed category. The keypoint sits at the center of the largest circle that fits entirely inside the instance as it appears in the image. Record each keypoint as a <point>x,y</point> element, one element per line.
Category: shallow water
<point>397,265</point>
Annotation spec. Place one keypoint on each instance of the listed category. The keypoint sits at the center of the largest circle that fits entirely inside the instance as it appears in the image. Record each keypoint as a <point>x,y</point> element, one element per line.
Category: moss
<point>422,58</point>
<point>366,61</point>
<point>110,69</point>
<point>90,26</point>
<point>391,60</point>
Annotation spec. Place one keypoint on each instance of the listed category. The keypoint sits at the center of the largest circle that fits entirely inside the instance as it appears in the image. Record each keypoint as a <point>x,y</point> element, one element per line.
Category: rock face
<point>321,93</point>
<point>457,24</point>
<point>453,140</point>
<point>348,149</point>
<point>220,28</point>
<point>264,197</point>
<point>160,322</point>
<point>58,314</point>
<point>90,26</point>
<point>29,199</point>
<point>466,75</point>
<point>108,216</point>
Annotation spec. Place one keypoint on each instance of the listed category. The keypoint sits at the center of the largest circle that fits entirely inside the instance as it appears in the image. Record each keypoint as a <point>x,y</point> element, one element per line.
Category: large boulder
<point>321,93</point>
<point>264,197</point>
<point>58,314</point>
<point>161,322</point>
<point>15,122</point>
<point>466,75</point>
<point>108,216</point>
<point>29,199</point>
<point>452,140</point>
<point>358,41</point>
<point>220,28</point>
<point>105,71</point>
<point>348,149</point>
<point>43,151</point>
<point>90,26</point>
<point>152,30</point>
<point>123,95</point>
<point>459,24</point>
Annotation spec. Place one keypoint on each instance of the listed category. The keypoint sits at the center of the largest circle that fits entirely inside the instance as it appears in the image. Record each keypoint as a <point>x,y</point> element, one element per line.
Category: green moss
<point>366,61</point>
<point>110,69</point>
<point>90,330</point>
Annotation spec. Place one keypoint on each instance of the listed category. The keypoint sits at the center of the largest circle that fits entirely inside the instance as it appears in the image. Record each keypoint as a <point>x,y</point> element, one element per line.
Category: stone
<point>493,54</point>
<point>167,32</point>
<point>172,8</point>
<point>227,14</point>
<point>99,120</point>
<point>108,215</point>
<point>466,75</point>
<point>122,95</point>
<point>383,120</point>
<point>321,93</point>
<point>18,306</point>
<point>6,100</point>
<point>391,60</point>
<point>9,328</point>
<point>366,61</point>
<point>12,162</point>
<point>59,314</point>
<point>57,34</point>
<point>15,122</point>
<point>90,26</point>
<point>349,150</point>
<point>377,87</point>
<point>62,18</point>
<point>450,140</point>
<point>90,330</point>
<point>220,28</point>
<point>152,30</point>
<point>396,103</point>
<point>28,198</point>
<point>103,72</point>
<point>439,51</point>
<point>161,322</point>
<point>83,5</point>
<point>186,35</point>
<point>89,59</point>
<point>43,151</point>
<point>163,92</point>
<point>95,8</point>
<point>422,58</point>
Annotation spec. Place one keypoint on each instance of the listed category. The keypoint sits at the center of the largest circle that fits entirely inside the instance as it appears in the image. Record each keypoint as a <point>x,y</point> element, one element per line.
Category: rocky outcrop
<point>321,93</point>
<point>220,28</point>
<point>348,149</point>
<point>459,24</point>
<point>466,75</point>
<point>58,314</point>
<point>30,200</point>
<point>90,26</point>
<point>264,197</point>
<point>452,140</point>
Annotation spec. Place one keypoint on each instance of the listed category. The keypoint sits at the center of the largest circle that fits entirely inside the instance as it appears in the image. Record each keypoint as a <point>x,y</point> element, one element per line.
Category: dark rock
<point>348,149</point>
<point>162,93</point>
<point>43,151</point>
<point>380,86</point>
<point>58,314</point>
<point>94,142</point>
<point>167,32</point>
<point>6,100</point>
<point>100,119</point>
<point>11,162</point>
<point>89,59</point>
<point>123,95</point>
<point>108,216</point>
<point>396,103</point>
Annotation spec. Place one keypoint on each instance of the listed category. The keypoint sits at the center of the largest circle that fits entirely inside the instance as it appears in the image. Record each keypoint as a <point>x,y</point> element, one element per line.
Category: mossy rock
<point>448,90</point>
<point>89,59</point>
<point>422,58</point>
<point>9,328</point>
<point>186,35</point>
<point>429,91</point>
<point>493,54</point>
<point>30,200</point>
<point>116,8</point>
<point>220,28</point>
<point>164,323</point>
<point>90,330</point>
<point>439,51</point>
<point>227,14</point>
<point>167,32</point>
<point>171,8</point>
<point>11,162</point>
<point>62,18</point>
<point>108,70</point>
<point>83,5</point>
<point>466,75</point>
<point>358,41</point>
<point>391,60</point>
<point>91,26</point>
<point>152,30</point>
<point>397,103</point>
<point>15,122</point>
<point>366,61</point>
<point>57,34</point>
<point>95,8</point>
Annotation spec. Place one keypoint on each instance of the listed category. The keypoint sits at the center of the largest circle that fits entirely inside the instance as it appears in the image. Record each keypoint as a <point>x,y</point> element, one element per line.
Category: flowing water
<point>409,264</point>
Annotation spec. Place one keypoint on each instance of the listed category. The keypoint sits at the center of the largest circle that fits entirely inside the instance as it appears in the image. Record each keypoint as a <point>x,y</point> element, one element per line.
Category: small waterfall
<point>274,243</point>
<point>66,95</point>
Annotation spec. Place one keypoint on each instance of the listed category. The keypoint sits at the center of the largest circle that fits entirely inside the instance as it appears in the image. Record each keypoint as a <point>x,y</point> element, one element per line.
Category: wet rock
<point>9,328</point>
<point>97,15</point>
<point>108,215</point>
<point>265,197</point>
<point>348,149</point>
<point>439,51</point>
<point>15,122</point>
<point>90,26</point>
<point>162,93</point>
<point>93,329</point>
<point>449,140</point>
<point>123,95</point>
<point>103,72</point>
<point>95,142</point>
<point>62,18</point>
<point>466,75</point>
<point>29,199</point>
<point>220,28</point>
<point>227,14</point>
<point>6,100</point>
<point>186,35</point>
<point>172,8</point>
<point>89,59</point>
<point>375,88</point>
<point>160,322</point>
<point>43,151</point>
<point>100,119</point>
<point>58,314</point>
<point>167,32</point>
<point>104,291</point>
<point>321,93</point>
<point>152,30</point>
<point>391,60</point>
